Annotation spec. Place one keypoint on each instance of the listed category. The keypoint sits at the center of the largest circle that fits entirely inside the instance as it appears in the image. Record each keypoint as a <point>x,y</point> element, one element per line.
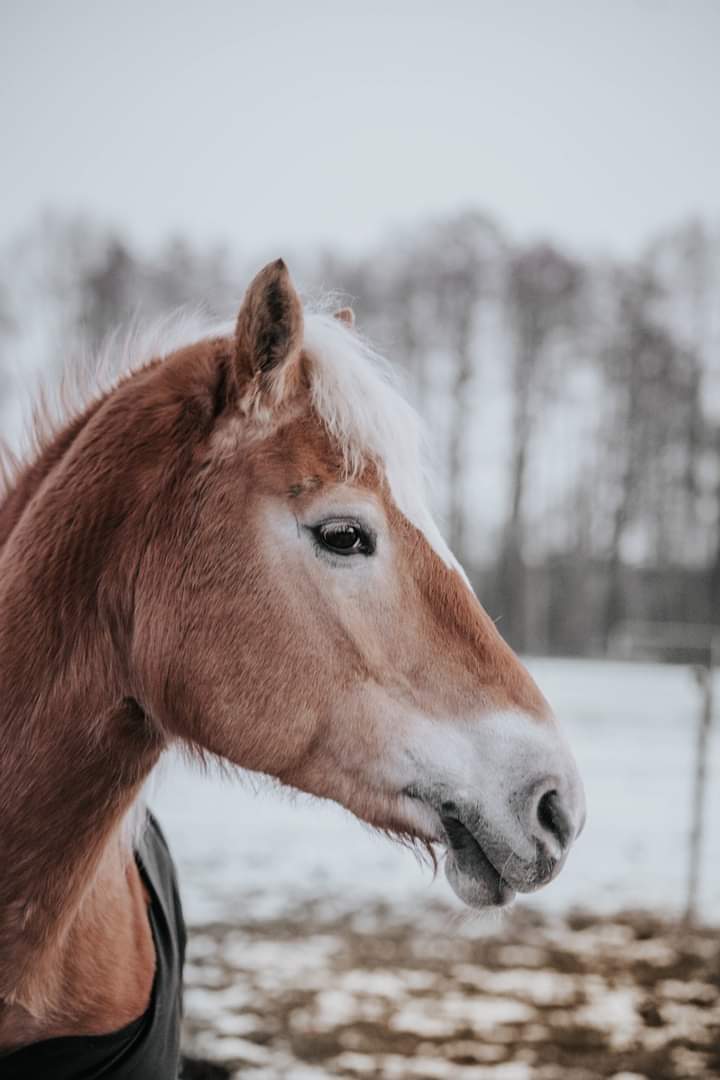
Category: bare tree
<point>544,287</point>
<point>108,291</point>
<point>465,272</point>
<point>652,404</point>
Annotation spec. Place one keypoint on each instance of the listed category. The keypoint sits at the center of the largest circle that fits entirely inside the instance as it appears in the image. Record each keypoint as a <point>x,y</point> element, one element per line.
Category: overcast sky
<point>274,126</point>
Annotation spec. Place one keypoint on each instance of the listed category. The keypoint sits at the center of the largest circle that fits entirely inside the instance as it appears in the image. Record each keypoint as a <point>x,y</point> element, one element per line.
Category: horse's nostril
<point>554,818</point>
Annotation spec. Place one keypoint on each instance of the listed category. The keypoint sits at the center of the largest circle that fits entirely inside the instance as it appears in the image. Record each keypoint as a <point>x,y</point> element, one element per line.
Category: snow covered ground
<point>632,727</point>
<point>402,997</point>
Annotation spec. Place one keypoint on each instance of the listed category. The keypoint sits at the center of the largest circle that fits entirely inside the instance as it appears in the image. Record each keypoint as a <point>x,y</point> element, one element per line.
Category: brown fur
<point>137,607</point>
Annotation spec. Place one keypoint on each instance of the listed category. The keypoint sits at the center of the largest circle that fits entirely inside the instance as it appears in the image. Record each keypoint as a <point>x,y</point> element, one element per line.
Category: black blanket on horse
<point>149,1047</point>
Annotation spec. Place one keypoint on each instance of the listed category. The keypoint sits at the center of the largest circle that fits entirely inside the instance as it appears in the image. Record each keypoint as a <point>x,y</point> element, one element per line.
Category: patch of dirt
<point>371,995</point>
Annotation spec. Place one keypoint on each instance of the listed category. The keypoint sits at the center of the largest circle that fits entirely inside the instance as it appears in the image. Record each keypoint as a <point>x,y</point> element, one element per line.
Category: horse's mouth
<point>469,871</point>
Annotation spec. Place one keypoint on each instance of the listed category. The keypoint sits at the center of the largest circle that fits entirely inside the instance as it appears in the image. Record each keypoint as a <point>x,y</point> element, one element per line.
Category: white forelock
<point>356,395</point>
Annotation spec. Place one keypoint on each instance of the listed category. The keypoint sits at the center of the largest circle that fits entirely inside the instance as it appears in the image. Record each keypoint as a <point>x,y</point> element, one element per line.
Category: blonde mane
<point>48,405</point>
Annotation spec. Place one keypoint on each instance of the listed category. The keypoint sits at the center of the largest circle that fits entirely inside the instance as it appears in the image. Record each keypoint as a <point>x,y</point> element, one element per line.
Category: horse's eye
<point>343,538</point>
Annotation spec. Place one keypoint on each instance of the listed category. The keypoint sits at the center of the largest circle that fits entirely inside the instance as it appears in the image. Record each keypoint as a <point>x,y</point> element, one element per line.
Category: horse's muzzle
<point>490,860</point>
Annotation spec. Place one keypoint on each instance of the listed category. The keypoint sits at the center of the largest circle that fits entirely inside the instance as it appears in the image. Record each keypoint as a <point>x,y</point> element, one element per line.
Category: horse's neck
<point>97,975</point>
<point>75,945</point>
<point>76,952</point>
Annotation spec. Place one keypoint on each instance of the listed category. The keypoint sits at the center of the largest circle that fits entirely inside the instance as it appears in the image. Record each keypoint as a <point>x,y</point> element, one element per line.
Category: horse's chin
<point>480,891</point>
<point>470,873</point>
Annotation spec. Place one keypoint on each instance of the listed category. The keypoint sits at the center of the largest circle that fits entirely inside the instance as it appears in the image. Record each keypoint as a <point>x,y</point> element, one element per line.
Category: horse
<point>231,550</point>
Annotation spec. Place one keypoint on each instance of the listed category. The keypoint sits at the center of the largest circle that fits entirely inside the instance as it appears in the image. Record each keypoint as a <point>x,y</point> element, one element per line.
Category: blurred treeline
<point>573,403</point>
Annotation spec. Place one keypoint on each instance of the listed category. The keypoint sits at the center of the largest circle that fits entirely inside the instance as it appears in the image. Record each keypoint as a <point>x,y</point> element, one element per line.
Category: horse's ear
<point>269,330</point>
<point>346,315</point>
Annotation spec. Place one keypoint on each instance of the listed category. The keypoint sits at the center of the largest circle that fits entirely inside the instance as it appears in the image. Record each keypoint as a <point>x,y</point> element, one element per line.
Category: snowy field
<point>261,854</point>
<point>378,996</point>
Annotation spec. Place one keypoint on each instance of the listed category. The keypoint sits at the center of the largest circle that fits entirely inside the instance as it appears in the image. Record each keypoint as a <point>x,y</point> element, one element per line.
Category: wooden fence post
<point>704,677</point>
